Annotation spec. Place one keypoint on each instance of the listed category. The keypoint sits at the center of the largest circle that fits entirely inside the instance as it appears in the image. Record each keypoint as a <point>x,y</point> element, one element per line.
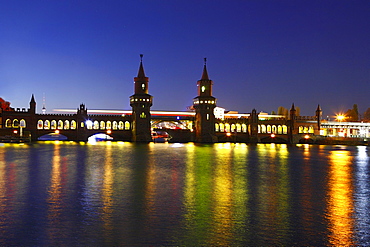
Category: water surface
<point>125,194</point>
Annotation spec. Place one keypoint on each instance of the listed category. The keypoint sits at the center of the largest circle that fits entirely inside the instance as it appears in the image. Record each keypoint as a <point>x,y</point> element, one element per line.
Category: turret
<point>204,105</point>
<point>141,102</point>
<point>32,105</point>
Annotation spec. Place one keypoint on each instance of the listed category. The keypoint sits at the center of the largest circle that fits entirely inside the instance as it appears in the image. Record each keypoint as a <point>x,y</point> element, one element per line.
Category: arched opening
<point>238,128</point>
<point>109,125</point>
<point>60,124</point>
<point>279,130</point>
<point>8,123</point>
<point>120,125</point>
<point>127,125</point>
<point>263,128</point>
<point>268,128</point>
<point>40,124</point>
<point>96,125</point>
<point>47,124</point>
<point>233,127</point>
<point>285,129</point>
<point>73,125</point>
<point>102,125</point>
<point>66,125</point>
<point>311,130</point>
<point>273,129</point>
<point>222,127</point>
<point>227,127</point>
<point>115,125</point>
<point>15,123</point>
<point>217,127</point>
<point>244,128</point>
<point>53,125</point>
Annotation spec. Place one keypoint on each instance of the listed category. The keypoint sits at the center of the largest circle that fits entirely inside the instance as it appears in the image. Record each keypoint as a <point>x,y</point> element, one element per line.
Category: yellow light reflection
<point>222,197</point>
<point>107,193</point>
<point>340,203</point>
<point>55,194</point>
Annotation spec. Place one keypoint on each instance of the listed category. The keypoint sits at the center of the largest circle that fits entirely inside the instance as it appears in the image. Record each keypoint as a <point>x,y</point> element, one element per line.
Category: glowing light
<point>306,137</point>
<point>272,135</point>
<point>228,134</point>
<point>340,117</point>
<point>109,132</point>
<point>89,124</point>
<point>57,131</point>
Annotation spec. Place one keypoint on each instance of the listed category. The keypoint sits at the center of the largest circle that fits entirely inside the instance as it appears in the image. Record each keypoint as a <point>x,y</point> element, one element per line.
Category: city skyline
<point>261,54</point>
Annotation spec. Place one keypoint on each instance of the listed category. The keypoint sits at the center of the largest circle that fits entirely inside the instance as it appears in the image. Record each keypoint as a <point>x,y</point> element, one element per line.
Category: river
<point>224,194</point>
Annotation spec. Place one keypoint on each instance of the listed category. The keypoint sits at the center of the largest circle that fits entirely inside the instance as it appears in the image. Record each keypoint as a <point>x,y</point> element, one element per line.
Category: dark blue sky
<point>261,54</point>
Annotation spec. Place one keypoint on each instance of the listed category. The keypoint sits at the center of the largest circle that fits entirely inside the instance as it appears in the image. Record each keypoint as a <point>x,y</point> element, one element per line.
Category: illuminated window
<point>244,128</point>
<point>233,128</point>
<point>53,124</point>
<point>73,125</point>
<point>8,123</point>
<point>15,123</point>
<point>203,88</point>
<point>115,125</point>
<point>238,128</point>
<point>142,115</point>
<point>273,129</point>
<point>102,125</point>
<point>217,127</point>
<point>40,124</point>
<point>259,129</point>
<point>82,124</point>
<point>311,130</point>
<point>279,129</point>
<point>268,128</point>
<point>120,125</point>
<point>66,125</point>
<point>127,125</point>
<point>227,127</point>
<point>207,116</point>
<point>222,127</point>
<point>143,86</point>
<point>47,124</point>
<point>60,124</point>
<point>109,125</point>
<point>263,128</point>
<point>285,129</point>
<point>96,125</point>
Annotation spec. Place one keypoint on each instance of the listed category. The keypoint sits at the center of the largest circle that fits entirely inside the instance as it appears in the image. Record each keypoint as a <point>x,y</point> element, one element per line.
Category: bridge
<point>141,124</point>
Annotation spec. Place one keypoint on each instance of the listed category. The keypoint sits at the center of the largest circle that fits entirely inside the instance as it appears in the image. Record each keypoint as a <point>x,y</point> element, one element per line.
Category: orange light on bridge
<point>272,135</point>
<point>228,134</point>
<point>306,137</point>
<point>15,131</point>
<point>57,131</point>
<point>109,132</point>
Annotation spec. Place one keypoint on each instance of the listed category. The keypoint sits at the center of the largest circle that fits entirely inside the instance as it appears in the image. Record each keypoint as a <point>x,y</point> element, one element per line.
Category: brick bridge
<point>140,123</point>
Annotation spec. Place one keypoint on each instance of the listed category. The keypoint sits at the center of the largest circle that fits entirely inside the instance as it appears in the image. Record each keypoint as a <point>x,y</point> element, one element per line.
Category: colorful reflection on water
<point>226,194</point>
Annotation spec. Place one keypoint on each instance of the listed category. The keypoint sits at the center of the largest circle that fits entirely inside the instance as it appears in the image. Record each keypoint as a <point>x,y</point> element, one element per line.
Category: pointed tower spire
<point>33,99</point>
<point>205,73</point>
<point>141,72</point>
<point>293,108</point>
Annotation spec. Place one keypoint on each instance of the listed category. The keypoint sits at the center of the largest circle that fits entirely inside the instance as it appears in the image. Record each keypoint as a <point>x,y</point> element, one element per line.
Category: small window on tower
<point>203,89</point>
<point>143,86</point>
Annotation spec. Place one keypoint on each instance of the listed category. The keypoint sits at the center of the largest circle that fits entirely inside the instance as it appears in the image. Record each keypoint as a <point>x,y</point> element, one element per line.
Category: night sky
<point>260,54</point>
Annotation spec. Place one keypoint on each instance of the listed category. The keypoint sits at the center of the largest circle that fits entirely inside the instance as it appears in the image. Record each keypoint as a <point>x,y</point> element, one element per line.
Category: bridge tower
<point>253,123</point>
<point>204,105</point>
<point>141,102</point>
<point>318,116</point>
